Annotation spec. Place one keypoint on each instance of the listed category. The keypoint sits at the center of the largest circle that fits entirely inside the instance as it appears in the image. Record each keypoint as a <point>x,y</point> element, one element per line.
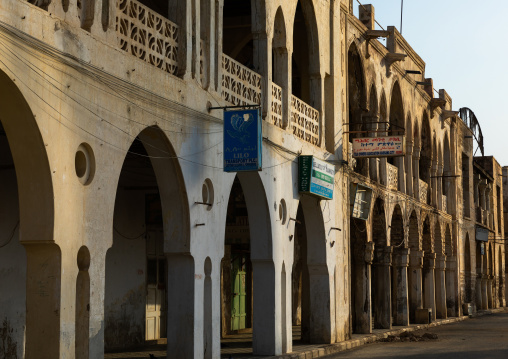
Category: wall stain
<point>8,347</point>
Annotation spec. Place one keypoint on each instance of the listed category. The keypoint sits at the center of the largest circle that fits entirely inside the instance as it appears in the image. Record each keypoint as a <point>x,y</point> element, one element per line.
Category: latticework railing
<point>393,176</point>
<point>444,203</point>
<point>304,121</point>
<point>240,85</point>
<point>147,35</point>
<point>424,188</point>
<point>276,105</point>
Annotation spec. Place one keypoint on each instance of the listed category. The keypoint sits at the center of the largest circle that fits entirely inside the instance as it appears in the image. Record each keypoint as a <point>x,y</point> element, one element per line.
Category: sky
<point>465,53</point>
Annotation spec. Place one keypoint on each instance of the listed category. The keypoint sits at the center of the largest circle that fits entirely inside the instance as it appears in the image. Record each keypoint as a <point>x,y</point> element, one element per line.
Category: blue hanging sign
<point>242,141</point>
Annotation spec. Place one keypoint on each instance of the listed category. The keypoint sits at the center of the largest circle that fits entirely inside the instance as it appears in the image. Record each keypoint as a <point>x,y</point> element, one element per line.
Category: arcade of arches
<point>119,228</point>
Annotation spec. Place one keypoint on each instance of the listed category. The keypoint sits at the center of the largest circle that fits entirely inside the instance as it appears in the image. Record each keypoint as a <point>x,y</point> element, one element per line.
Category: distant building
<point>119,227</point>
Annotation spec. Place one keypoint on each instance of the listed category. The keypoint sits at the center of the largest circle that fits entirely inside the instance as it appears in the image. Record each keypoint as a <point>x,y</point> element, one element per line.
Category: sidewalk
<point>315,351</point>
<point>240,346</point>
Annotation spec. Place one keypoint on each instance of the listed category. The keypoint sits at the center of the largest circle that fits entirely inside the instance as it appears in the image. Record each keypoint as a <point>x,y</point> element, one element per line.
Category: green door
<point>238,291</point>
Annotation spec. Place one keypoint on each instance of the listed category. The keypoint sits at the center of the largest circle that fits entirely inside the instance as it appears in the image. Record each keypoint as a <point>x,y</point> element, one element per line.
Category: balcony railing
<point>393,176</point>
<point>444,203</point>
<point>147,35</point>
<point>304,121</point>
<point>276,105</point>
<point>424,188</point>
<point>240,85</point>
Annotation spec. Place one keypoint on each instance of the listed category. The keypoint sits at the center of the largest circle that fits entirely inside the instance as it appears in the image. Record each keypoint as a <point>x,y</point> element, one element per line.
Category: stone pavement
<point>239,346</point>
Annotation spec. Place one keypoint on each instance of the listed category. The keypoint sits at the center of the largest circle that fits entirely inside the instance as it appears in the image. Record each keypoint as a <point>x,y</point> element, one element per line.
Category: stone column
<point>415,282</point>
<point>429,300</point>
<point>263,66</point>
<point>43,297</point>
<point>439,181</point>
<point>180,311</point>
<point>373,162</point>
<point>441,287</point>
<point>451,287</point>
<point>409,166</point>
<point>489,292</point>
<point>485,298</point>
<point>416,169</point>
<point>401,262</point>
<point>362,306</point>
<point>381,283</point>
<point>433,186</point>
<point>264,331</point>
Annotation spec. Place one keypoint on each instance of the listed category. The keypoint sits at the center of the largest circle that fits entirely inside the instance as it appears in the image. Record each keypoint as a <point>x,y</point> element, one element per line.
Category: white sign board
<point>383,146</point>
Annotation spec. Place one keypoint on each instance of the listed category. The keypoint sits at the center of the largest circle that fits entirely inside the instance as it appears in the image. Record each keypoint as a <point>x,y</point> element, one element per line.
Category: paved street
<point>480,337</point>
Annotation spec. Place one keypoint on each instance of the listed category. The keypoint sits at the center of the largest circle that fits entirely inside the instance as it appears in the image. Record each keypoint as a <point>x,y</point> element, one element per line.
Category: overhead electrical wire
<point>86,68</point>
<point>111,144</point>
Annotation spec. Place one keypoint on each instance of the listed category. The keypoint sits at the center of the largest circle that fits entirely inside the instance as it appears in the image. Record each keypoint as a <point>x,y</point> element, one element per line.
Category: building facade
<point>119,226</point>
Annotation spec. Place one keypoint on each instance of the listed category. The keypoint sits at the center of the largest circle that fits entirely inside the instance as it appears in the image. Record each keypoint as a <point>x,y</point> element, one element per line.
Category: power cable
<point>11,236</point>
<point>65,58</point>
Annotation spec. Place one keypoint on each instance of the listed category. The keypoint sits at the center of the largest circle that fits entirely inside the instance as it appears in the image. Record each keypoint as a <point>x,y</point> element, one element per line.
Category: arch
<point>309,15</point>
<point>164,249</point>
<point>259,215</point>
<point>280,63</point>
<point>425,142</point>
<point>379,223</point>
<point>397,228</point>
<point>36,202</point>
<point>426,236</point>
<point>35,197</point>
<point>279,30</point>
<point>438,240</point>
<point>414,238</point>
<point>357,83</point>
<point>450,249</point>
<point>357,102</point>
<point>311,265</point>
<point>396,109</point>
<point>447,168</point>
<point>172,190</point>
<point>373,101</point>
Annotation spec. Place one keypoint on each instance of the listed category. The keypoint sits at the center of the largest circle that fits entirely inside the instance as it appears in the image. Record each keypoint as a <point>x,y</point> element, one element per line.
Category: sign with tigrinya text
<point>383,146</point>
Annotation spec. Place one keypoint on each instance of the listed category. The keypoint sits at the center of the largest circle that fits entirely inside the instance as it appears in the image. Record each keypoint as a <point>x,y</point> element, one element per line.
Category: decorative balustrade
<point>393,176</point>
<point>424,188</point>
<point>276,105</point>
<point>304,121</point>
<point>444,203</point>
<point>240,85</point>
<point>147,35</point>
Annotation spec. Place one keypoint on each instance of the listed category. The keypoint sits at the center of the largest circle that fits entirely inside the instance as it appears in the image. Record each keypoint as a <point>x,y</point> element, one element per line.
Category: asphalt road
<point>476,338</point>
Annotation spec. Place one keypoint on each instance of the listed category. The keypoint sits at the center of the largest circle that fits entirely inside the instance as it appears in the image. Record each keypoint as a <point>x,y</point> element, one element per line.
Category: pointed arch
<point>426,236</point>
<point>379,223</point>
<point>396,109</point>
<point>397,228</point>
<point>438,239</point>
<point>414,237</point>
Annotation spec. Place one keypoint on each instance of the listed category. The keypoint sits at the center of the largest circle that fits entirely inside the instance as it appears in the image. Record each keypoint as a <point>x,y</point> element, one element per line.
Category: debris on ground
<point>409,337</point>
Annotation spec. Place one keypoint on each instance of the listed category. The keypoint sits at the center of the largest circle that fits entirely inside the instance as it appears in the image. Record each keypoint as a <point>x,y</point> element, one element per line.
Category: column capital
<point>369,252</point>
<point>430,260</point>
<point>402,257</point>
<point>383,256</point>
<point>441,262</point>
<point>416,259</point>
